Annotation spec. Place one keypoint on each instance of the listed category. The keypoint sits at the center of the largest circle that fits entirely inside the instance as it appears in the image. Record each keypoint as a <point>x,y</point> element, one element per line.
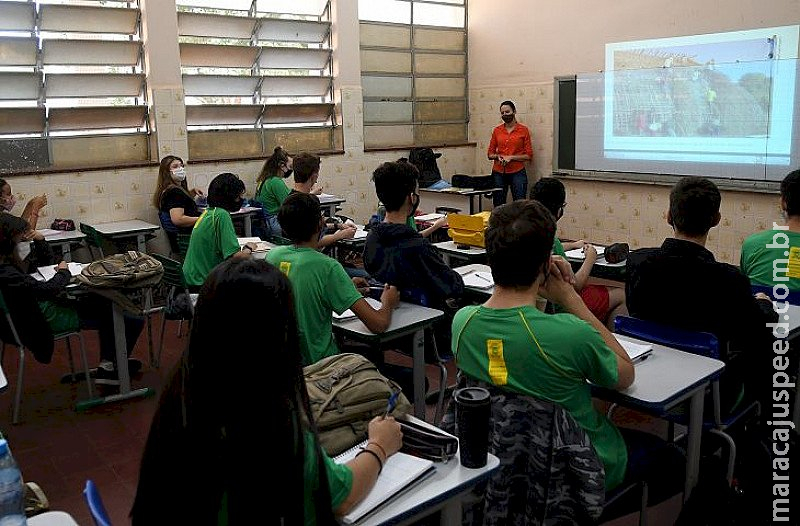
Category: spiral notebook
<point>400,472</point>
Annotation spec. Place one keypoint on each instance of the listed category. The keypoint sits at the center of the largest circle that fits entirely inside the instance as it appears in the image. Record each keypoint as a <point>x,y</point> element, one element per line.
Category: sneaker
<point>106,373</point>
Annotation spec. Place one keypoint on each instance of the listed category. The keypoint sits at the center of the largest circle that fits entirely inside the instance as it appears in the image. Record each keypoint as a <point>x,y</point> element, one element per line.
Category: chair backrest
<point>95,504</point>
<point>93,238</point>
<point>173,272</point>
<point>10,323</point>
<point>695,342</point>
<point>183,239</point>
<point>549,472</point>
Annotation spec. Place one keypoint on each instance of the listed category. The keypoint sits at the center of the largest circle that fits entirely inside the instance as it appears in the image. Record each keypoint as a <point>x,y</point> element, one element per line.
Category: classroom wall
<point>108,195</point>
<point>516,48</point>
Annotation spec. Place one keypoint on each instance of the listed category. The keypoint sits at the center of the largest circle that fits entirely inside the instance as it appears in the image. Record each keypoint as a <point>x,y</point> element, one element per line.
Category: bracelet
<point>380,462</point>
<point>379,447</point>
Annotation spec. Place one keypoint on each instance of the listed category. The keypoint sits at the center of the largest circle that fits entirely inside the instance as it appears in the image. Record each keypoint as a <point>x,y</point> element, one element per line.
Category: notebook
<point>399,473</point>
<point>478,280</point>
<point>261,246</point>
<point>428,217</point>
<point>636,351</point>
<point>49,271</point>
<point>577,253</point>
<point>348,314</point>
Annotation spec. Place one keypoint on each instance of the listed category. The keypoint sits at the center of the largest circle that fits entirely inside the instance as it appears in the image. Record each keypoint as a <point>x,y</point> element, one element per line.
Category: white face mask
<point>179,174</point>
<point>22,250</point>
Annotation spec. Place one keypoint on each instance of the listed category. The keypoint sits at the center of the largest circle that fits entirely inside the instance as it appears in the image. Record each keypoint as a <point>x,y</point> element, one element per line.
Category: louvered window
<point>258,68</point>
<point>413,72</point>
<point>71,69</point>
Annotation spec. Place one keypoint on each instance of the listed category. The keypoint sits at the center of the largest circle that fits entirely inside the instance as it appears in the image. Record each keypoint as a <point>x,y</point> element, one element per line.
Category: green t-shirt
<point>320,286</point>
<point>412,223</point>
<point>272,192</point>
<point>213,241</point>
<point>340,483</point>
<point>495,346</point>
<point>558,248</point>
<point>757,260</point>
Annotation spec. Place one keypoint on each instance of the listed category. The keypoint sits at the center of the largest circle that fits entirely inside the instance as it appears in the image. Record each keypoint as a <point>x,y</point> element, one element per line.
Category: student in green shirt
<point>509,343</point>
<point>320,283</point>
<point>206,440</point>
<point>762,250</point>
<point>213,236</point>
<point>271,190</point>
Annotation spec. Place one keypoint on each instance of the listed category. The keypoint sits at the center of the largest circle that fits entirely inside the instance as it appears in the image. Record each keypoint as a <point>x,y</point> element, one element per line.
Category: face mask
<point>179,174</point>
<point>10,202</point>
<point>238,203</point>
<point>507,118</point>
<point>287,173</point>
<point>414,205</point>
<point>22,250</point>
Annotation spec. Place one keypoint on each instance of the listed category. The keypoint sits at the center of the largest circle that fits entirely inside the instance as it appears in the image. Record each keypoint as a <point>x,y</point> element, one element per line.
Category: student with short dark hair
<point>682,285</point>
<point>758,260</point>
<point>509,343</point>
<point>320,283</point>
<point>606,303</point>
<point>306,173</point>
<point>208,431</point>
<point>395,253</point>
<point>213,238</point>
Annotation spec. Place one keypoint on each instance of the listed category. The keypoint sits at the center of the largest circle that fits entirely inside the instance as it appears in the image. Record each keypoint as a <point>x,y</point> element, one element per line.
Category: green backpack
<point>346,391</point>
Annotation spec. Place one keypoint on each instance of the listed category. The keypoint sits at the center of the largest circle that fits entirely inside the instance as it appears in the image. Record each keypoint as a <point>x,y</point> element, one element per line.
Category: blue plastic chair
<point>695,342</point>
<point>95,504</point>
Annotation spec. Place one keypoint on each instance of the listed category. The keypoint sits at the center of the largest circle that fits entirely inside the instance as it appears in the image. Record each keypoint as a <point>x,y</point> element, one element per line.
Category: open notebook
<point>577,253</point>
<point>261,246</point>
<point>399,473</point>
<point>478,279</point>
<point>47,272</point>
<point>348,314</point>
<point>636,351</point>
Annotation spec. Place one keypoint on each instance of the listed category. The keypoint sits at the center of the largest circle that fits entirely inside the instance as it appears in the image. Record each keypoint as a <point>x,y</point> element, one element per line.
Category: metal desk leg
<point>693,448</point>
<point>248,225</point>
<point>141,246</point>
<point>120,345</point>
<point>471,204</point>
<point>66,253</point>
<point>451,513</point>
<point>419,374</point>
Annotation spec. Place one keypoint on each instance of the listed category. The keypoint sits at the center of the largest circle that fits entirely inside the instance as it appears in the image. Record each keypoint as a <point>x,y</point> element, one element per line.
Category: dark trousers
<point>654,461</point>
<point>95,314</point>
<point>518,181</point>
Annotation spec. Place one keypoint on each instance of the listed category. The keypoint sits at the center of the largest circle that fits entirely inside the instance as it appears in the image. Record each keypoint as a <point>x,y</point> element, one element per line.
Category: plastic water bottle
<point>12,490</point>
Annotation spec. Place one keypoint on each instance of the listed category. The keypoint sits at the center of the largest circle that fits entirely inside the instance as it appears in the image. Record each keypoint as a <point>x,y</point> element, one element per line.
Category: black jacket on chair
<point>22,294</point>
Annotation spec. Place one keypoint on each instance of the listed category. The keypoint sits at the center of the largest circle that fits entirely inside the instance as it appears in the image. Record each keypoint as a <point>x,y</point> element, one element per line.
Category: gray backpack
<point>128,270</point>
<point>346,391</point>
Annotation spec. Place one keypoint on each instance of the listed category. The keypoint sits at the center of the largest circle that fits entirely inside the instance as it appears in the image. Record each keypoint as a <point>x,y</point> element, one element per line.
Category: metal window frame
<point>413,50</point>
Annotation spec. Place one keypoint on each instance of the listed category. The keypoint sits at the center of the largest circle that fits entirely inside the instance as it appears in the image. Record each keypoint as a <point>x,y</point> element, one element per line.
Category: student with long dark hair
<point>270,188</point>
<point>176,205</point>
<point>31,211</point>
<point>213,237</point>
<point>206,442</point>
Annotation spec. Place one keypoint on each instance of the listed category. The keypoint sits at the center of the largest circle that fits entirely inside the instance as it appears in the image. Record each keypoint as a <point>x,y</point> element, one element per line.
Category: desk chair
<point>17,342</point>
<point>183,239</point>
<point>174,279</point>
<point>704,344</point>
<point>94,240</point>
<point>549,472</point>
<point>95,504</point>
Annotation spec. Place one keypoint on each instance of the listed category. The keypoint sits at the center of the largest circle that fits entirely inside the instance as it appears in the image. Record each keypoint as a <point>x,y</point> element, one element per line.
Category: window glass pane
<point>385,36</point>
<point>453,110</point>
<point>385,61</point>
<point>386,87</point>
<point>446,40</point>
<point>388,136</point>
<point>387,112</point>
<point>439,64</point>
<point>440,134</point>
<point>440,87</point>
<point>438,15</point>
<point>385,11</point>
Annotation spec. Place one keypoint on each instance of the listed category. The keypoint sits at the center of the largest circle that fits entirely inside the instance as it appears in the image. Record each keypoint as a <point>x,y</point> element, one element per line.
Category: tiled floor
<point>60,449</point>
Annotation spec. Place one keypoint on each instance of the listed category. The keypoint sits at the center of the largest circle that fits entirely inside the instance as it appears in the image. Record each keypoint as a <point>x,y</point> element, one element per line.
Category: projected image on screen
<point>719,105</point>
<point>681,91</point>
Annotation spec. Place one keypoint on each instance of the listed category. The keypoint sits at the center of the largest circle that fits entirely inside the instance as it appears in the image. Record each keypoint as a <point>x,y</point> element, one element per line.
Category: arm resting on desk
<point>376,321</point>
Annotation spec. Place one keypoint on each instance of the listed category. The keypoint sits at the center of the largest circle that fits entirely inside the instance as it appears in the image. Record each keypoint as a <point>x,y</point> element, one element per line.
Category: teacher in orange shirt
<point>510,148</point>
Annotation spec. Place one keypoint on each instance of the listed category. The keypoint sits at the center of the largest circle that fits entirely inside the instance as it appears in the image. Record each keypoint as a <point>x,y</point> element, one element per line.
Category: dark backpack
<point>425,161</point>
<point>476,182</point>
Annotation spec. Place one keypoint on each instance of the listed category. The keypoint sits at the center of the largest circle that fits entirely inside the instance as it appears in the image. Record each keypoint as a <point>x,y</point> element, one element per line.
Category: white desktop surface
<point>61,236</point>
<point>476,267</point>
<point>449,481</point>
<point>130,226</point>
<point>326,199</point>
<point>451,248</point>
<point>52,518</point>
<point>404,316</point>
<point>794,317</point>
<point>245,210</point>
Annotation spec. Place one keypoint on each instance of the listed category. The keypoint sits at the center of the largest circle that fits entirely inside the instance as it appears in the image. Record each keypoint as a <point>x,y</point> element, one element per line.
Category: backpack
<point>346,391</point>
<point>425,161</point>
<point>476,182</point>
<point>128,270</point>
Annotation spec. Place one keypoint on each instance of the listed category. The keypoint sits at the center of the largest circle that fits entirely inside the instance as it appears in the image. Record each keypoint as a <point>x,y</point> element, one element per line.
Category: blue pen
<point>392,403</point>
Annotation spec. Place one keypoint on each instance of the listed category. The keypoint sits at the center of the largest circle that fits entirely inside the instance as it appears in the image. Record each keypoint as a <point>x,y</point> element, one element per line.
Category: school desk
<point>132,228</point>
<point>329,203</point>
<point>246,213</point>
<point>407,319</point>
<point>461,198</point>
<point>450,251</point>
<point>63,239</point>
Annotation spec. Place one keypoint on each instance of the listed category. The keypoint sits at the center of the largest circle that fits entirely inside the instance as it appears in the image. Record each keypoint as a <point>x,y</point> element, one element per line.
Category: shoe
<point>106,373</point>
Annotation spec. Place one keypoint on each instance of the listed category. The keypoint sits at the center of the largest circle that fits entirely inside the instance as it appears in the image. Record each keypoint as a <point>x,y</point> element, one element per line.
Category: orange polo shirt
<point>517,142</point>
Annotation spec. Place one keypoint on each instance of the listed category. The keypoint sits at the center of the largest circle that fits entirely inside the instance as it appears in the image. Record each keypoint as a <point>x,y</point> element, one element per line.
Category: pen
<point>484,278</point>
<point>392,403</point>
